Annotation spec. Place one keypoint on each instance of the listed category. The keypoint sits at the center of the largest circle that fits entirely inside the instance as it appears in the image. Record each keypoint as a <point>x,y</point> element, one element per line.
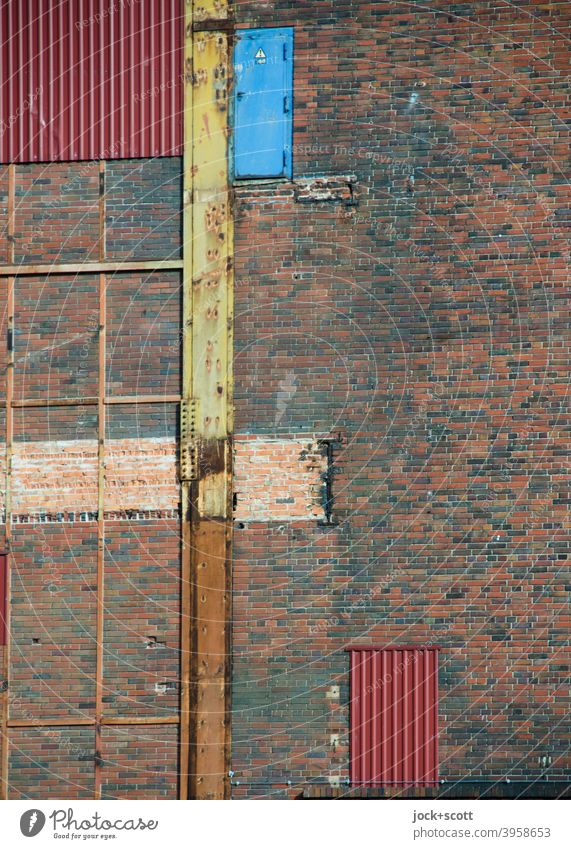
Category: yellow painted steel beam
<point>185,765</point>
<point>5,695</point>
<point>206,416</point>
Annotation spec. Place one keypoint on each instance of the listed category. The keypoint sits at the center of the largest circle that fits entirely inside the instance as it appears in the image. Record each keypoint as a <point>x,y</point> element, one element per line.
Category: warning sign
<point>260,57</point>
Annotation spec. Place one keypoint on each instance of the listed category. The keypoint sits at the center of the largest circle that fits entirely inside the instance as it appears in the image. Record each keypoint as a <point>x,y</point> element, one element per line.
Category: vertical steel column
<point>10,282</point>
<point>206,408</point>
<point>100,581</point>
<point>185,766</point>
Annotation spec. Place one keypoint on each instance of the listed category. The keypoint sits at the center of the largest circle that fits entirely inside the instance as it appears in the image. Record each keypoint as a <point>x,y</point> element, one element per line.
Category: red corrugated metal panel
<point>90,79</point>
<point>394,715</point>
<point>3,599</point>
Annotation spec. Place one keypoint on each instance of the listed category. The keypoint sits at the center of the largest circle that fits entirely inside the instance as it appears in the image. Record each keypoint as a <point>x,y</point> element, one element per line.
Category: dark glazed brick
<point>140,763</point>
<point>142,586</point>
<point>57,212</point>
<point>144,319</point>
<point>56,327</point>
<point>52,763</point>
<point>53,601</point>
<point>143,208</point>
<point>142,421</point>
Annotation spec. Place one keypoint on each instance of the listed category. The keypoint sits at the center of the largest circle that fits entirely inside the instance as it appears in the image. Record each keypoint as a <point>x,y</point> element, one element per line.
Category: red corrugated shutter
<point>90,79</point>
<point>394,715</point>
<point>3,599</point>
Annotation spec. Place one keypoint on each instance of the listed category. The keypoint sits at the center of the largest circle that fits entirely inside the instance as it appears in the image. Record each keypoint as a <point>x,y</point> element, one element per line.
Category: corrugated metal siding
<point>3,599</point>
<point>394,716</point>
<point>90,79</point>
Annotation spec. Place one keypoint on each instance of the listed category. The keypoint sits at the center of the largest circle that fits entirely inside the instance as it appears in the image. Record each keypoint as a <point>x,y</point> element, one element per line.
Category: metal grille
<point>394,716</point>
<point>90,79</point>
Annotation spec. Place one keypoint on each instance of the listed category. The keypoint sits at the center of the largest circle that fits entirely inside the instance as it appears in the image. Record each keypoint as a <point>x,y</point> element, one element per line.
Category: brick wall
<point>406,296</point>
<point>428,322</point>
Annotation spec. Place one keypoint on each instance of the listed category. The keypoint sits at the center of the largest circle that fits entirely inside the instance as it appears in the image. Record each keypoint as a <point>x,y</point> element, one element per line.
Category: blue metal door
<point>263,77</point>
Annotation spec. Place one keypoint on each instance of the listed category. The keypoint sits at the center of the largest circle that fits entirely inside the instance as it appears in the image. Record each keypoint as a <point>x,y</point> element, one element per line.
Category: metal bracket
<point>188,444</point>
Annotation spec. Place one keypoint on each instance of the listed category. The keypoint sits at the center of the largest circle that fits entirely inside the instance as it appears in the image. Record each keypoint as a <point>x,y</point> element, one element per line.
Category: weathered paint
<point>206,455</point>
<point>5,699</point>
<point>263,64</point>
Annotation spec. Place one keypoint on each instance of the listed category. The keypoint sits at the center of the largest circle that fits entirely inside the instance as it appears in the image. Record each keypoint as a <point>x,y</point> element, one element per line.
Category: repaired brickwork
<point>278,479</point>
<point>275,479</point>
<point>54,485</point>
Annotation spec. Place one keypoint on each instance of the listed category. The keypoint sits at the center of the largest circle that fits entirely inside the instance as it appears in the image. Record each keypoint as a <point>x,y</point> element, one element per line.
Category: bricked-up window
<point>394,716</point>
<point>3,598</point>
<point>263,82</point>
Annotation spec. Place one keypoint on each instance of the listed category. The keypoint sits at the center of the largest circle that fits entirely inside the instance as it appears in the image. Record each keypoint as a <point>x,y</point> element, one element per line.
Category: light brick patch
<point>275,479</point>
<point>141,474</point>
<point>278,479</point>
<point>61,476</point>
<point>58,475</point>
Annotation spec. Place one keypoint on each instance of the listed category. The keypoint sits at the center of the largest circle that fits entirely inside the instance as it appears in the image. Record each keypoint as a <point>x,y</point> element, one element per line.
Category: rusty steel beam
<point>94,401</point>
<point>100,585</point>
<point>5,695</point>
<point>185,765</point>
<point>143,399</point>
<point>55,402</point>
<point>102,232</point>
<point>48,723</point>
<point>211,395</point>
<point>140,720</point>
<point>91,267</point>
<point>70,722</point>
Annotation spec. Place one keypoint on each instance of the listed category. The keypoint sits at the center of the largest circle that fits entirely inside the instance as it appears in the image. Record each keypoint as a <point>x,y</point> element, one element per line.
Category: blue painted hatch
<point>263,79</point>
